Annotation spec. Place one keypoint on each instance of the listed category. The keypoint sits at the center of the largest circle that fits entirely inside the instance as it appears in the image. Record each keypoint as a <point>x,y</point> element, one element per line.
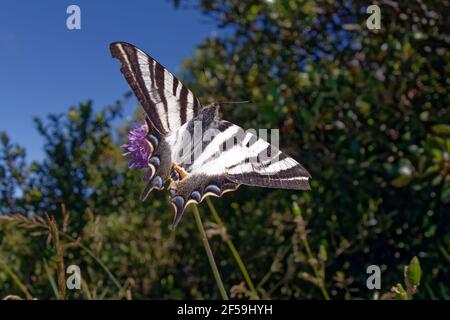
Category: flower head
<point>138,146</point>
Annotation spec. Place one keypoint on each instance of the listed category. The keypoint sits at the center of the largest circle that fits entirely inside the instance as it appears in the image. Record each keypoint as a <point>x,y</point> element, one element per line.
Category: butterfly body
<point>201,154</point>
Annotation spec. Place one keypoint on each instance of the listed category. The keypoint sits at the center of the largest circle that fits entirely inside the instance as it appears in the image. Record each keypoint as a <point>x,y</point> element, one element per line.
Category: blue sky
<point>46,68</point>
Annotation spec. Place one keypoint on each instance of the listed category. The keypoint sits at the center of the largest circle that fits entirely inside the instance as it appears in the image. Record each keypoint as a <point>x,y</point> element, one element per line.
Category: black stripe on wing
<point>167,102</point>
<point>268,168</point>
<point>295,178</point>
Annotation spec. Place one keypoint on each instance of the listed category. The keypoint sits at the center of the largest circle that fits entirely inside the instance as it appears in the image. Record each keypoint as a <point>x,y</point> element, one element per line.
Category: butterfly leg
<point>177,173</point>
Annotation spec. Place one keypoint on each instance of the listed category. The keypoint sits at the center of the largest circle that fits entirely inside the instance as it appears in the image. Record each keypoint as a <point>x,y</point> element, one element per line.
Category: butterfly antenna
<point>235,102</point>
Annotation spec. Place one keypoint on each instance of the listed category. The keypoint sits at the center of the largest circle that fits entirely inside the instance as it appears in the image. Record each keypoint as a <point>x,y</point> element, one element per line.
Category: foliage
<point>365,111</point>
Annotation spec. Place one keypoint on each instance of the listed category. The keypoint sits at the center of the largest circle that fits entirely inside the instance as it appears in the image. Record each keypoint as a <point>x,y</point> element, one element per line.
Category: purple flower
<point>138,146</point>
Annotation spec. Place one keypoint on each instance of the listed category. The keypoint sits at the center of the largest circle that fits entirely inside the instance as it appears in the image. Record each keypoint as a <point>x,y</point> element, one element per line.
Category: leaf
<point>402,181</point>
<point>4,138</point>
<point>422,164</point>
<point>441,129</point>
<point>323,253</point>
<point>413,273</point>
<point>296,209</point>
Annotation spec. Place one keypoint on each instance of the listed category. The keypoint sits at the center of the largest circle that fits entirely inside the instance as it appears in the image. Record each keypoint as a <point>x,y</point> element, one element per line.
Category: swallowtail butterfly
<point>198,164</point>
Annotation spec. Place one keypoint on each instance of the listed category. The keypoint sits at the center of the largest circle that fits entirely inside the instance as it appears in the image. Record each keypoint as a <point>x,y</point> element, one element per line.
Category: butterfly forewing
<point>167,102</point>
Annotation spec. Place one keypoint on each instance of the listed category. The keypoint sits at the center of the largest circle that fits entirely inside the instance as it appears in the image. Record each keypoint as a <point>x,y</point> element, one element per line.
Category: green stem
<point>104,267</point>
<point>319,277</point>
<point>234,251</point>
<point>270,273</point>
<point>51,279</point>
<point>212,263</point>
<point>9,271</point>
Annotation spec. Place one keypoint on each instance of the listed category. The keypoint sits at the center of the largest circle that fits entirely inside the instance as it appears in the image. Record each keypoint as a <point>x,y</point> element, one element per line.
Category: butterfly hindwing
<point>229,157</point>
<point>159,162</point>
<point>194,188</point>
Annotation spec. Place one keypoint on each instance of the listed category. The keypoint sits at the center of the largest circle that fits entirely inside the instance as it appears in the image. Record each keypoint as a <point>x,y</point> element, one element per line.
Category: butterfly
<point>201,154</point>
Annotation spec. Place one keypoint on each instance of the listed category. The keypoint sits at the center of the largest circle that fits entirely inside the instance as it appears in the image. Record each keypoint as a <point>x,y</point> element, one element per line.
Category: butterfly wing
<point>166,101</point>
<point>223,157</point>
